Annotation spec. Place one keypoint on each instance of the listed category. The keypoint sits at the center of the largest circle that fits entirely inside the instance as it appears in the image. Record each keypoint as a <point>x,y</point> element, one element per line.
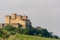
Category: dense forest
<point>38,31</point>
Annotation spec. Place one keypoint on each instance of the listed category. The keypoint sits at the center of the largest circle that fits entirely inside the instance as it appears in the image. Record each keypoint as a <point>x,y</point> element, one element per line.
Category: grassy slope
<point>26,37</point>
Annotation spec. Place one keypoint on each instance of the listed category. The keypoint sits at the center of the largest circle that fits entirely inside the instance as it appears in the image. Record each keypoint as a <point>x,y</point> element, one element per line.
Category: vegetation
<point>27,37</point>
<point>39,32</point>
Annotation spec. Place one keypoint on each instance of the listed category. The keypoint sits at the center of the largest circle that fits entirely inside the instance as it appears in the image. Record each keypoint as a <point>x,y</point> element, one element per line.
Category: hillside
<point>26,37</point>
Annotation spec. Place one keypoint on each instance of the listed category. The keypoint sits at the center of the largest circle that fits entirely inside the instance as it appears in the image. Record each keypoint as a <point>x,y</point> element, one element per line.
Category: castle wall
<point>14,18</point>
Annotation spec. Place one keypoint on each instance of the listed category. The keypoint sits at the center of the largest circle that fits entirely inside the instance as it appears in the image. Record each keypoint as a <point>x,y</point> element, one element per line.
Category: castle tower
<point>13,16</point>
<point>7,19</point>
<point>25,17</point>
<point>19,17</point>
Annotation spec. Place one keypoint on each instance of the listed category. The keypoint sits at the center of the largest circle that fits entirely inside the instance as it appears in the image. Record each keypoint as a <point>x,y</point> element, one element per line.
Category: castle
<point>16,20</point>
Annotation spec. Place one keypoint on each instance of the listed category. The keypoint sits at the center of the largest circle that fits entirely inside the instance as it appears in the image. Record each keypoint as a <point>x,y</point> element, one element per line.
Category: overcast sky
<point>44,13</point>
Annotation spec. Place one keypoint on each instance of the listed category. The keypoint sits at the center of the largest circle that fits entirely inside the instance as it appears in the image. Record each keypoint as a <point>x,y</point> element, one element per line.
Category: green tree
<point>5,35</point>
<point>11,29</point>
<point>1,32</point>
<point>55,36</point>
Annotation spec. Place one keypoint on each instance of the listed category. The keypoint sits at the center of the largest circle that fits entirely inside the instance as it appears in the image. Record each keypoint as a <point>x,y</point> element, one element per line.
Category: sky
<point>44,13</point>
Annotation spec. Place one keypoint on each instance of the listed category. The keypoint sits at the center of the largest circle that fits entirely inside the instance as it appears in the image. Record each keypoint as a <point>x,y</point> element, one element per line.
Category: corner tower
<point>13,16</point>
<point>7,19</point>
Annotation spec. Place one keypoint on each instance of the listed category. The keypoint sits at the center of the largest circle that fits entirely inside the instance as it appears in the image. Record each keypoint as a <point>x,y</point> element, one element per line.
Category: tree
<point>20,30</point>
<point>45,33</point>
<point>11,29</point>
<point>55,36</point>
<point>5,35</point>
<point>1,32</point>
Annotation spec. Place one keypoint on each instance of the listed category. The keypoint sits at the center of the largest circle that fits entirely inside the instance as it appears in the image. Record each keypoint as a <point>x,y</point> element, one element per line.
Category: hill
<point>26,37</point>
<point>12,33</point>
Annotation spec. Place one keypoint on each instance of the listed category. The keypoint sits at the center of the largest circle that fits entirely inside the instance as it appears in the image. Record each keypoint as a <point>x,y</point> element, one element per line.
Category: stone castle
<point>16,20</point>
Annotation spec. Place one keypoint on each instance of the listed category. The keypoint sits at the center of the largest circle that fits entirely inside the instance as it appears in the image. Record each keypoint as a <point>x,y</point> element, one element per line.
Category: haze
<point>44,13</point>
